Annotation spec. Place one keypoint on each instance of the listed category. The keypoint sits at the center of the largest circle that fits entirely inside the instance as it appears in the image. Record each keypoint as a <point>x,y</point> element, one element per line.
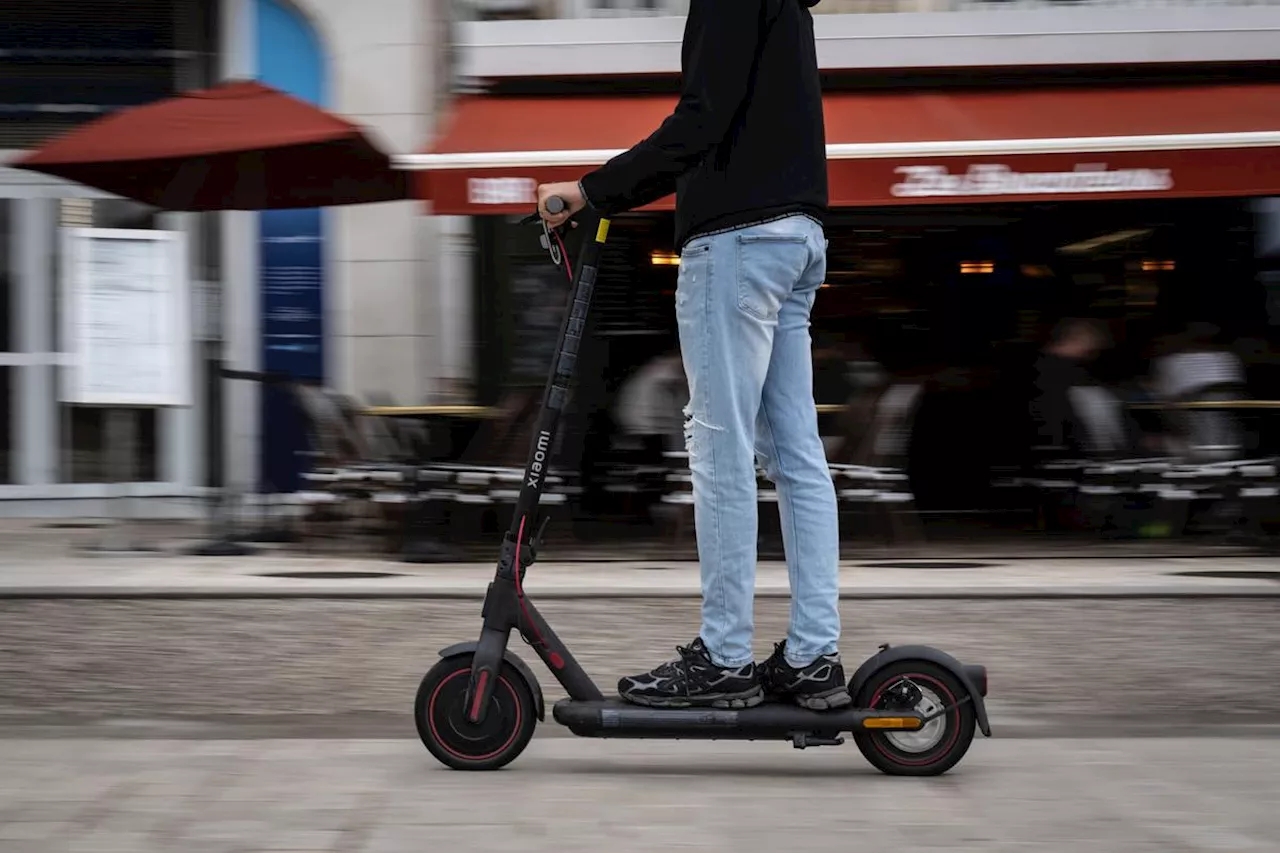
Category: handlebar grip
<point>555,204</point>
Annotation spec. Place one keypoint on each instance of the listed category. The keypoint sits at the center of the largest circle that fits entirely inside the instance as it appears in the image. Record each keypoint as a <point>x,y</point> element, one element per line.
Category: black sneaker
<point>820,686</point>
<point>692,680</point>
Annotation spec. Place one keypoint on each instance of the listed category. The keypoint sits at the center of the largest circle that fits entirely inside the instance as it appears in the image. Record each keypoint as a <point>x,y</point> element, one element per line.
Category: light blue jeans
<point>743,303</point>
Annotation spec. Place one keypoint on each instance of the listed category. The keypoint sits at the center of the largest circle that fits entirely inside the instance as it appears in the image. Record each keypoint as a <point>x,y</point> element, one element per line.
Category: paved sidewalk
<point>563,795</point>
<point>130,576</point>
<point>38,561</point>
<point>1152,659</point>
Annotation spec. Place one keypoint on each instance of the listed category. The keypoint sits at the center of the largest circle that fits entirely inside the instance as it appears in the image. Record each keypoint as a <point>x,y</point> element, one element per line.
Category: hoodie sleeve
<point>721,40</point>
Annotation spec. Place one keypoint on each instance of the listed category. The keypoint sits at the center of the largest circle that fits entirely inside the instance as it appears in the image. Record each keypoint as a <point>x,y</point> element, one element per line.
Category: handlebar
<point>555,204</point>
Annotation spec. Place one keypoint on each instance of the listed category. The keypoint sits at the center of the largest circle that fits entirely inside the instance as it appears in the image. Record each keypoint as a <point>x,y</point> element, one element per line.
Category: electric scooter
<point>915,707</point>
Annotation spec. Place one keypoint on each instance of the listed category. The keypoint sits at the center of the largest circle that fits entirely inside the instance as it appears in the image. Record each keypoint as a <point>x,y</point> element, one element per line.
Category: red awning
<point>891,148</point>
<point>240,145</point>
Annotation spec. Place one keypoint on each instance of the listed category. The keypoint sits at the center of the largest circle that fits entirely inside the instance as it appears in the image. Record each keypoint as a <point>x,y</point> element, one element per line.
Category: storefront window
<point>95,440</point>
<point>955,304</point>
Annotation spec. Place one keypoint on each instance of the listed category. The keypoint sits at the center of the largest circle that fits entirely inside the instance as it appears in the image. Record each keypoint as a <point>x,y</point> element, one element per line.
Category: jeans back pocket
<point>769,267</point>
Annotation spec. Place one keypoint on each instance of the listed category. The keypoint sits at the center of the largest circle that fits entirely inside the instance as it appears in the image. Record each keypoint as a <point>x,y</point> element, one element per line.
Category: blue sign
<point>291,257</point>
<point>291,281</point>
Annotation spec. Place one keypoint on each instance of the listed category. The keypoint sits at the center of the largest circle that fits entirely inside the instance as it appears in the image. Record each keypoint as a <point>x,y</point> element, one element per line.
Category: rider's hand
<point>567,190</point>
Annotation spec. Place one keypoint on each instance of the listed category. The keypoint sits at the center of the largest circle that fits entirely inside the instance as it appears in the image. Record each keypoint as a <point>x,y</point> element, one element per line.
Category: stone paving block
<point>110,842</point>
<point>401,837</point>
<point>244,831</point>
<point>301,840</point>
<point>24,830</point>
<point>15,809</point>
<point>205,844</point>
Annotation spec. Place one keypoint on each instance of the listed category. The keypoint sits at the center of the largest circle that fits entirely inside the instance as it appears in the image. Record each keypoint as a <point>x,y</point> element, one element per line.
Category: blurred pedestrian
<point>1062,366</point>
<point>1199,368</point>
<point>650,403</point>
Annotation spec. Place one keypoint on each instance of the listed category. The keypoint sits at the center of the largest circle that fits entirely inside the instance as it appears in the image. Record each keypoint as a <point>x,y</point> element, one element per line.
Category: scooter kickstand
<point>801,740</point>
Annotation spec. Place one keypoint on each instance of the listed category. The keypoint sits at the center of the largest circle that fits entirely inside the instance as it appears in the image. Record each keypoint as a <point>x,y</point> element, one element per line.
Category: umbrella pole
<point>223,541</point>
<point>272,529</point>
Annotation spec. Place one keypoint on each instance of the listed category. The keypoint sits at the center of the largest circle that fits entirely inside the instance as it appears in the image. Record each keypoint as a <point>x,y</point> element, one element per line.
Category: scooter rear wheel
<point>441,716</point>
<point>924,687</point>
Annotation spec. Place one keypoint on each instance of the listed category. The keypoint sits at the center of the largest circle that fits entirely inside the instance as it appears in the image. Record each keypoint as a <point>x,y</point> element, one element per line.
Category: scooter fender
<point>510,657</point>
<point>892,654</point>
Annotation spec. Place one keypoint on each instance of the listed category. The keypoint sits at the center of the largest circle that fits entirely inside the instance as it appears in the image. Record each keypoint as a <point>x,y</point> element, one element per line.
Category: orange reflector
<point>891,723</point>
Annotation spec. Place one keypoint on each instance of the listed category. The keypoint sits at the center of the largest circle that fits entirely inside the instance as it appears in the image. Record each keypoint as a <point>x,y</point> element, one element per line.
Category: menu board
<point>539,293</point>
<point>126,319</point>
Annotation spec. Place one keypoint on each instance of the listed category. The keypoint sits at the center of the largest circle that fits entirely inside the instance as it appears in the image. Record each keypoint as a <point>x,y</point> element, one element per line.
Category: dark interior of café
<point>961,298</point>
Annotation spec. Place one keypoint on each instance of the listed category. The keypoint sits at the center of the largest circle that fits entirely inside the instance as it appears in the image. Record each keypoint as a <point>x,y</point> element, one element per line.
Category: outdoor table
<point>1265,431</point>
<point>420,545</point>
<point>443,411</point>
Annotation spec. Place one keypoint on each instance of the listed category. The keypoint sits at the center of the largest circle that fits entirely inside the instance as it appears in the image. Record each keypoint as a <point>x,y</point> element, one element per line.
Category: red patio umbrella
<point>240,145</point>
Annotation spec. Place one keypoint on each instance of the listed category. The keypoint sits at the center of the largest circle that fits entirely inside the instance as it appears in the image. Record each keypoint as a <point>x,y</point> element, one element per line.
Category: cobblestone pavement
<point>564,795</point>
<point>259,657</point>
<point>122,637</point>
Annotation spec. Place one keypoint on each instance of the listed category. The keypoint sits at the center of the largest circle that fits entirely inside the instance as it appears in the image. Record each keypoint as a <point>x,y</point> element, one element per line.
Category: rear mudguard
<point>972,678</point>
<point>520,667</point>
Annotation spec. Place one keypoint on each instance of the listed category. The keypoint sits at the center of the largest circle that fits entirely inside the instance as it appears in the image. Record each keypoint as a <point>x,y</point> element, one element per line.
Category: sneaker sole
<point>746,699</point>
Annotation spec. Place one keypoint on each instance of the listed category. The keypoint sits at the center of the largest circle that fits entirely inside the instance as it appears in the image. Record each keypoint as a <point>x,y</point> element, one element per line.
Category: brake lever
<point>552,246</point>
<point>535,218</point>
<point>550,239</point>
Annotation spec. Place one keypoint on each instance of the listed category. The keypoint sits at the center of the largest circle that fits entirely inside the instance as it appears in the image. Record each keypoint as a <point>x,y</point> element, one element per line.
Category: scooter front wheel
<point>926,688</point>
<point>440,713</point>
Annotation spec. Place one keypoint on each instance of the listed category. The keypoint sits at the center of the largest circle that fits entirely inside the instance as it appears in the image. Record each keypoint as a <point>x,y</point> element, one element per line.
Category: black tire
<point>933,750</point>
<point>440,715</point>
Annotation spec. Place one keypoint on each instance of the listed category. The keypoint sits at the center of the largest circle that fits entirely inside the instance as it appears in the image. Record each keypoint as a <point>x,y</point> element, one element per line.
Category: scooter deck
<point>614,718</point>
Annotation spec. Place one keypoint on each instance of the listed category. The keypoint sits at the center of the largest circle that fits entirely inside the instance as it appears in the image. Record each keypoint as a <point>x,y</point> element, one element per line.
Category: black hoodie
<point>746,142</point>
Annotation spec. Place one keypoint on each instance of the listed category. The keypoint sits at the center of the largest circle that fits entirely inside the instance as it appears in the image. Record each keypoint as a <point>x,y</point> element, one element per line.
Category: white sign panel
<point>126,322</point>
<point>502,191</point>
<point>998,179</point>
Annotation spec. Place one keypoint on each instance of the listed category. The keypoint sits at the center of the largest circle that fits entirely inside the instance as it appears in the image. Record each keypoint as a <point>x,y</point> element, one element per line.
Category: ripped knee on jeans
<point>692,426</point>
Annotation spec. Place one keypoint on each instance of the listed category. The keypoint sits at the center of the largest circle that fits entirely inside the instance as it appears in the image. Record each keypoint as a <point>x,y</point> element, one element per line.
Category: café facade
<point>969,213</point>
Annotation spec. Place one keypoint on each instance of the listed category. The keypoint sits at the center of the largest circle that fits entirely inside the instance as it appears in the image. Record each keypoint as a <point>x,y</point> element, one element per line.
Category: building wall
<point>383,310</point>
<point>381,313</point>
<point>1074,35</point>
<point>59,458</point>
